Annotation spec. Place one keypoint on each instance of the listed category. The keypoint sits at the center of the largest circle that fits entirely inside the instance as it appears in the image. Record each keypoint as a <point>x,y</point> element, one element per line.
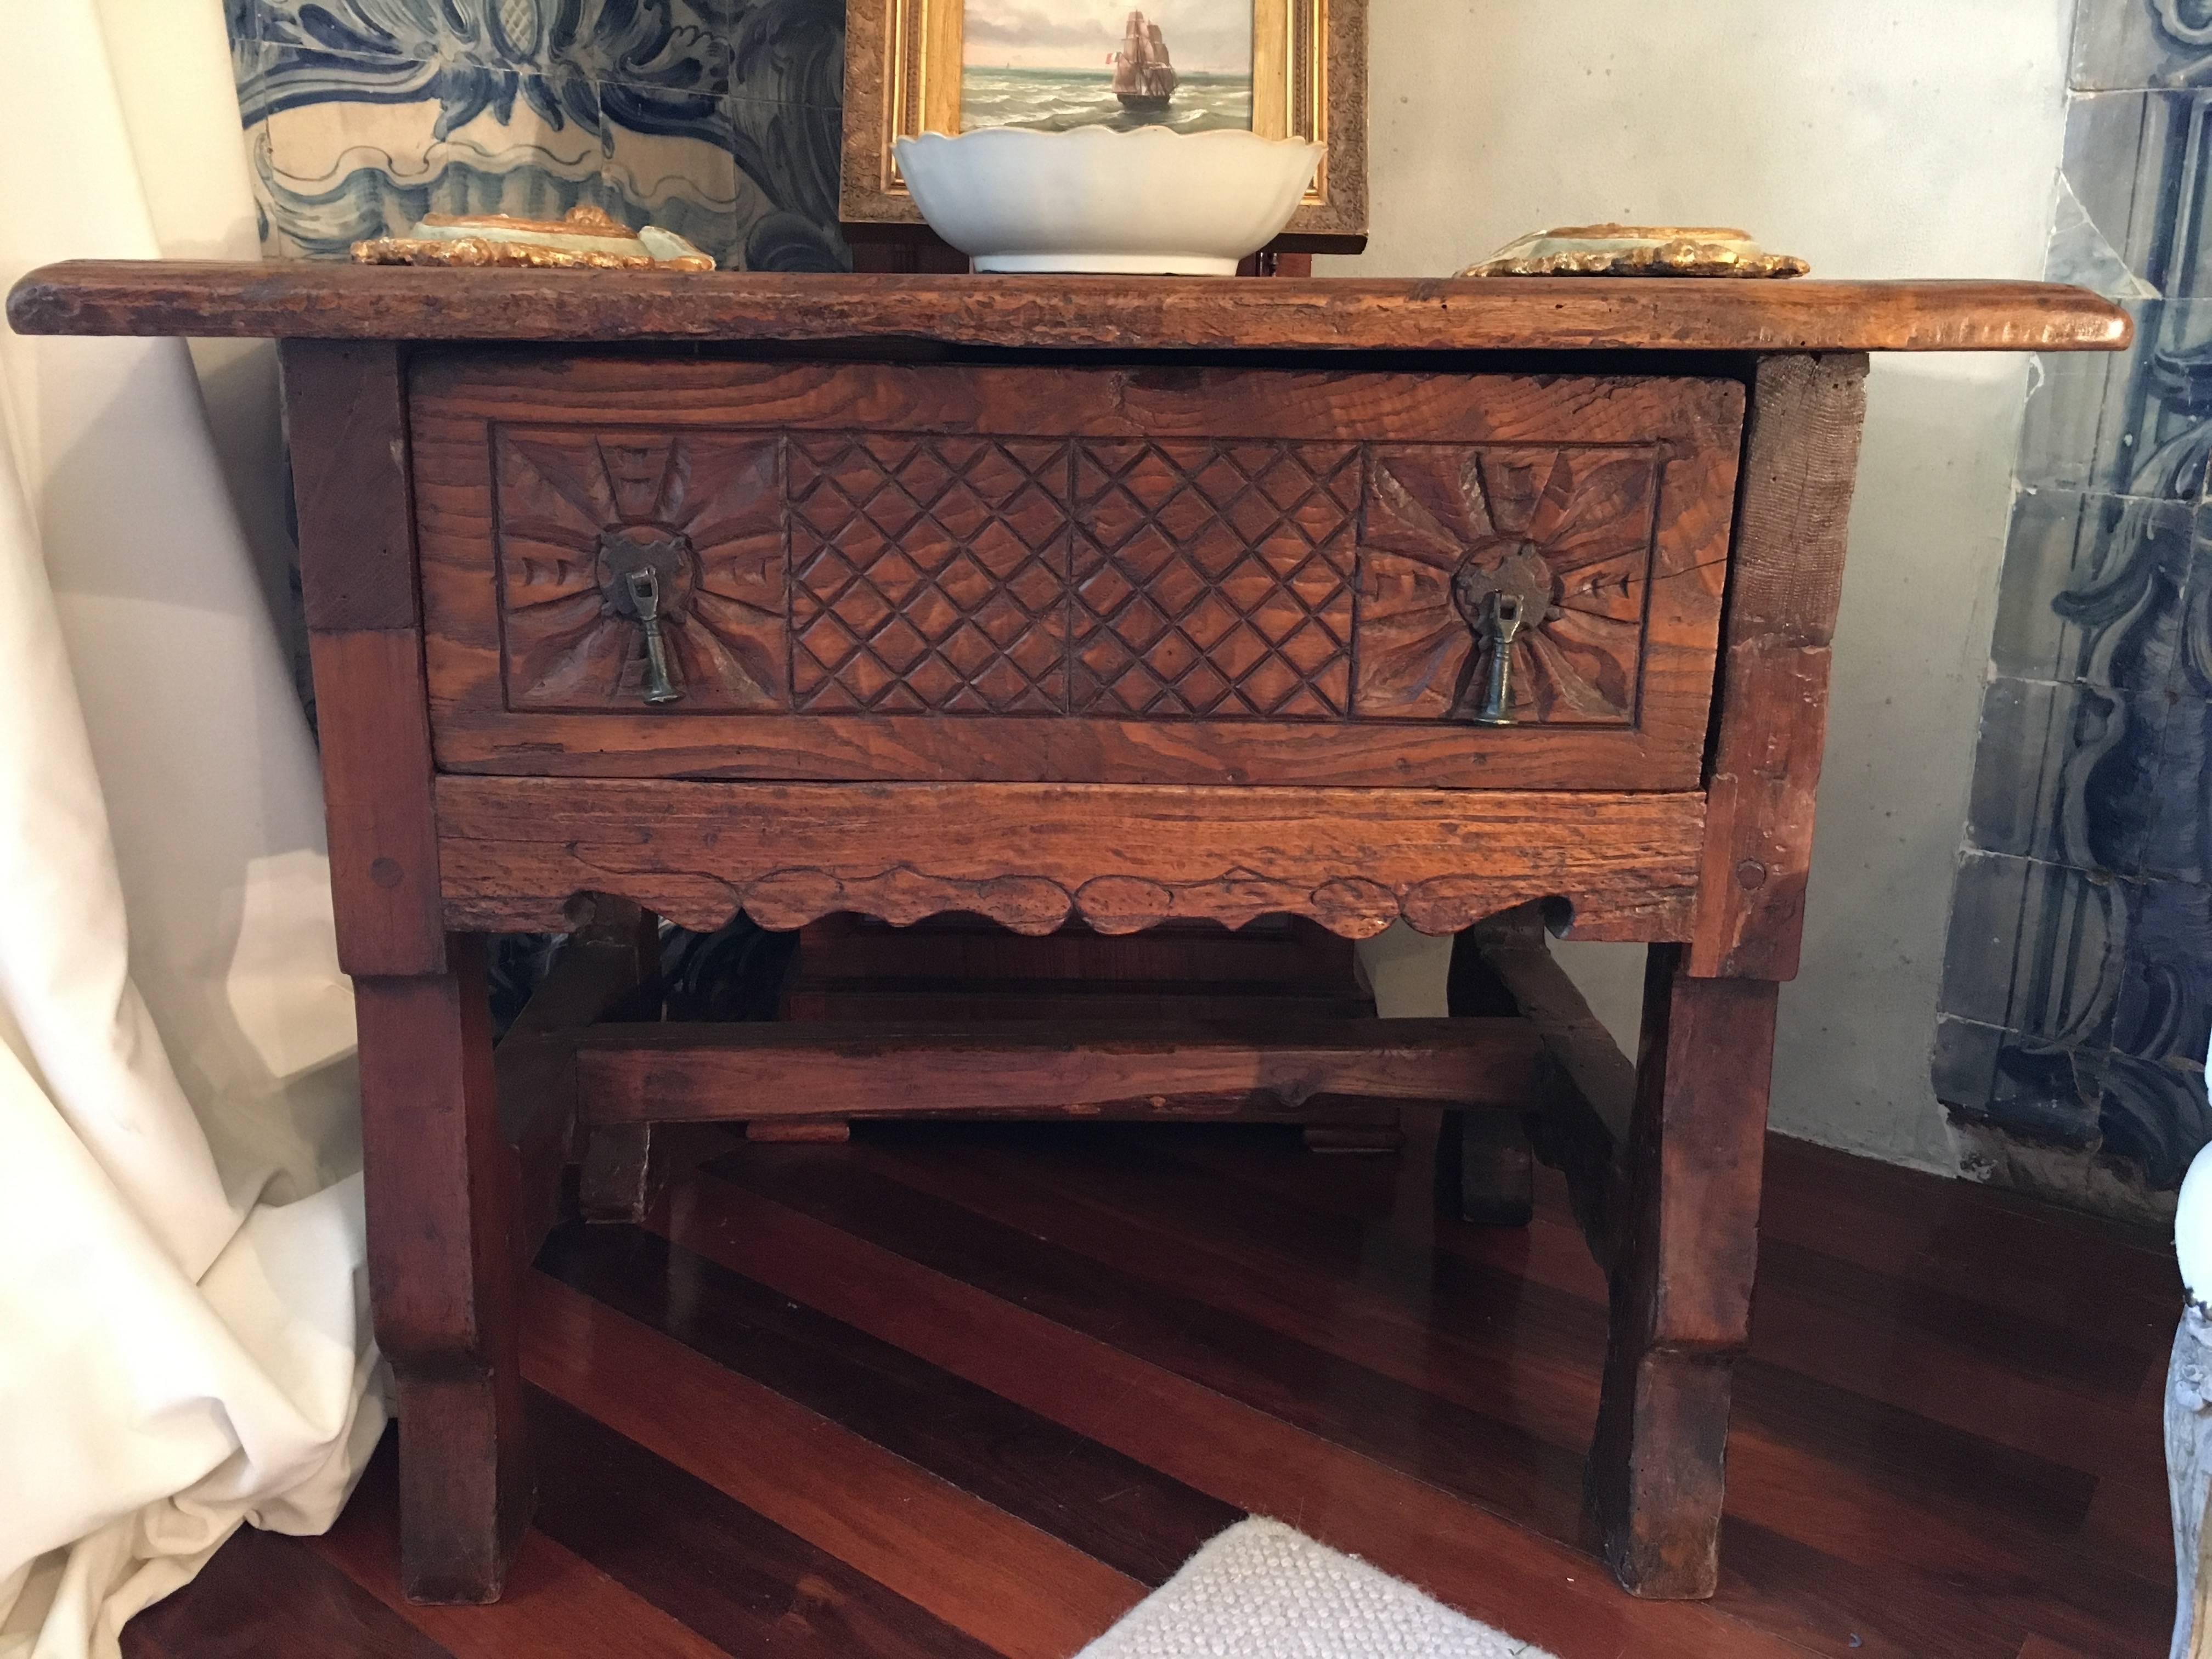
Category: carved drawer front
<point>684,567</point>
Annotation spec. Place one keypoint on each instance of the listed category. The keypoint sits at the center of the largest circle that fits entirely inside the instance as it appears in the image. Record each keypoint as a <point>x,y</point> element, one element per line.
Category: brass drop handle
<point>1502,624</point>
<point>643,587</point>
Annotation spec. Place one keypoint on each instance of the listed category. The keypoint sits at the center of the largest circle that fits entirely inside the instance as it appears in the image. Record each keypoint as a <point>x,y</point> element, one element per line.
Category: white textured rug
<point>1262,1590</point>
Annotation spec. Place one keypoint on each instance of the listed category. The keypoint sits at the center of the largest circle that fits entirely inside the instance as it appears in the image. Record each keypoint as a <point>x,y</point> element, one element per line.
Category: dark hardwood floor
<point>968,1391</point>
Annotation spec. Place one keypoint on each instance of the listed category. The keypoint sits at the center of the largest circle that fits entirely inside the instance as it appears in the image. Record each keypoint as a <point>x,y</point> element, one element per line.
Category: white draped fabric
<point>184,1340</point>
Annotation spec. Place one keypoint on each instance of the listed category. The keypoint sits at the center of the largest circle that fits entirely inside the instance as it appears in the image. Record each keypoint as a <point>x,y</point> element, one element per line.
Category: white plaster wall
<point>1877,138</point>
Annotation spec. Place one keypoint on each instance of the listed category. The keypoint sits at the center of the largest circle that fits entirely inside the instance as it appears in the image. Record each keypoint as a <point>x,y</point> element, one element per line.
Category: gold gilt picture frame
<point>903,74</point>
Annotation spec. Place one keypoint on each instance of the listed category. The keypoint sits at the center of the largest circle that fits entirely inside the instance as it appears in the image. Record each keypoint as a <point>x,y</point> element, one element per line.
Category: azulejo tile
<point>2079,430</point>
<point>1964,1066</point>
<point>2034,1089</point>
<point>2134,188</point>
<point>678,45</point>
<point>2118,184</point>
<point>360,28</point>
<point>2034,949</point>
<point>2062,774</point>
<point>2141,43</point>
<point>790,51</point>
<point>2154,1114</point>
<point>330,171</point>
<point>791,151</point>
<point>2082,252</point>
<point>2134,422</point>
<point>2164,1009</point>
<point>2193,661</point>
<point>274,79</point>
<point>2075,998</point>
<point>2179,845</point>
<point>676,169</point>
<point>2155,1107</point>
<point>2092,588</point>
<point>674,45</point>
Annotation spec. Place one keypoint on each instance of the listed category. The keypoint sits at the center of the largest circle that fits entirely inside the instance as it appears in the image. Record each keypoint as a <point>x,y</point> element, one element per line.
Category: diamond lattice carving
<point>1573,525</point>
<point>1214,578</point>
<point>930,573</point>
<point>705,506</point>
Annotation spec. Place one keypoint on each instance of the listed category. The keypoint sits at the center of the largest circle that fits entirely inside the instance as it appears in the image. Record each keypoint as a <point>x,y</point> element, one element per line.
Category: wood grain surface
<point>440,1184</point>
<point>1681,1278</point>
<point>1800,466</point>
<point>513,851</point>
<point>1580,1111</point>
<point>671,1072</point>
<point>322,300</point>
<point>1115,575</point>
<point>1126,1338</point>
<point>350,480</point>
<point>1015,1590</point>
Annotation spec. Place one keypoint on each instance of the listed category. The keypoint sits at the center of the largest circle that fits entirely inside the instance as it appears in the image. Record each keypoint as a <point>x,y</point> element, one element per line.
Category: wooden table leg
<point>616,1177</point>
<point>441,1274</point>
<point>1681,1286</point>
<point>1485,1169</point>
<point>616,1174</point>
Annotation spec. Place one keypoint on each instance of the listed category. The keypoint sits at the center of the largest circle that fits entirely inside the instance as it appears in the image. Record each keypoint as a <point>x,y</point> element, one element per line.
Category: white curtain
<point>184,1338</point>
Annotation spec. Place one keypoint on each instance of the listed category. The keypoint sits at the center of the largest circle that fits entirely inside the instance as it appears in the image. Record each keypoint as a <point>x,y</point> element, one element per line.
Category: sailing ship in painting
<point>1144,79</point>
<point>1098,63</point>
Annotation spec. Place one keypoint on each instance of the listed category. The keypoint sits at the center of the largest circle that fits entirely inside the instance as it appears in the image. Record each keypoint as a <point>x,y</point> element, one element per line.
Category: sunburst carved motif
<point>704,510</point>
<point>1569,530</point>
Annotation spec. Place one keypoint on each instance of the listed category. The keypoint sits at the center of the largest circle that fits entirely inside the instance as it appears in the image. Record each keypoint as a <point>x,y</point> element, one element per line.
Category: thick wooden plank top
<point>333,300</point>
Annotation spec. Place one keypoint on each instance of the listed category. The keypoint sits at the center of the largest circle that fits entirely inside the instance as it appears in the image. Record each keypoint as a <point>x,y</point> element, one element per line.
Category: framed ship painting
<point>1280,68</point>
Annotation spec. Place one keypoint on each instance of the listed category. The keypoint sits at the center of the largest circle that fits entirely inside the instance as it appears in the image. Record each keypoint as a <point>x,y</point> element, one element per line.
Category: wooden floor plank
<point>1814,1316</point>
<point>830,1426</point>
<point>1451,1404</point>
<point>2002,1521</point>
<point>1380,1307</point>
<point>555,1601</point>
<point>724,1570</point>
<point>1377,1304</point>
<point>1001,1581</point>
<point>1111,1507</point>
<point>1540,1589</point>
<point>263,1594</point>
<point>1517,1469</point>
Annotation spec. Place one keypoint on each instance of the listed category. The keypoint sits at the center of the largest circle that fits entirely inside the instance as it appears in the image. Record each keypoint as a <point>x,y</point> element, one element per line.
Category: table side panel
<point>1119,575</point>
<point>515,851</point>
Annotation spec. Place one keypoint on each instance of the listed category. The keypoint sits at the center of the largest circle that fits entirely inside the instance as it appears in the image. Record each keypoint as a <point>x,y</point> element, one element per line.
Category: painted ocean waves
<point>1055,100</point>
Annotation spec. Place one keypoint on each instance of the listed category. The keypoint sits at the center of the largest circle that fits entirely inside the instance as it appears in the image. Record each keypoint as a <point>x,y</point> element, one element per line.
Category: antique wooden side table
<point>1038,597</point>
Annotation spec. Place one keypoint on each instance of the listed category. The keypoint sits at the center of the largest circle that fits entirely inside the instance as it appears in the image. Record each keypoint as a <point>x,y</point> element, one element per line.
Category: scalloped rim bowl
<point>1141,202</point>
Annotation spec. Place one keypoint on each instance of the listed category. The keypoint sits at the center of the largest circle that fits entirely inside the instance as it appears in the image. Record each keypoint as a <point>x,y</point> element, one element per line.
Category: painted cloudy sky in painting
<point>1213,36</point>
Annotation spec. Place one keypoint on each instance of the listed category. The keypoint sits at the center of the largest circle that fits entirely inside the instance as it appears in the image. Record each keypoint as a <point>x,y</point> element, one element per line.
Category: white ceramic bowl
<point>1091,198</point>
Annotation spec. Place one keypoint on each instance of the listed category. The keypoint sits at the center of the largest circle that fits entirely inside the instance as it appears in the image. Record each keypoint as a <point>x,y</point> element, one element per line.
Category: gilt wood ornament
<point>587,239</point>
<point>1612,250</point>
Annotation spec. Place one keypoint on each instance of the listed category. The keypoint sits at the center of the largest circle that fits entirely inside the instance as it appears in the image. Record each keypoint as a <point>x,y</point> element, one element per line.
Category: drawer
<point>1111,573</point>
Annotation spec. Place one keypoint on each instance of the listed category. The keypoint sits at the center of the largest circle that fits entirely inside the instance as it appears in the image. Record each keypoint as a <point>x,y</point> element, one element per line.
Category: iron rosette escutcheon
<point>1503,584</point>
<point>643,570</point>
